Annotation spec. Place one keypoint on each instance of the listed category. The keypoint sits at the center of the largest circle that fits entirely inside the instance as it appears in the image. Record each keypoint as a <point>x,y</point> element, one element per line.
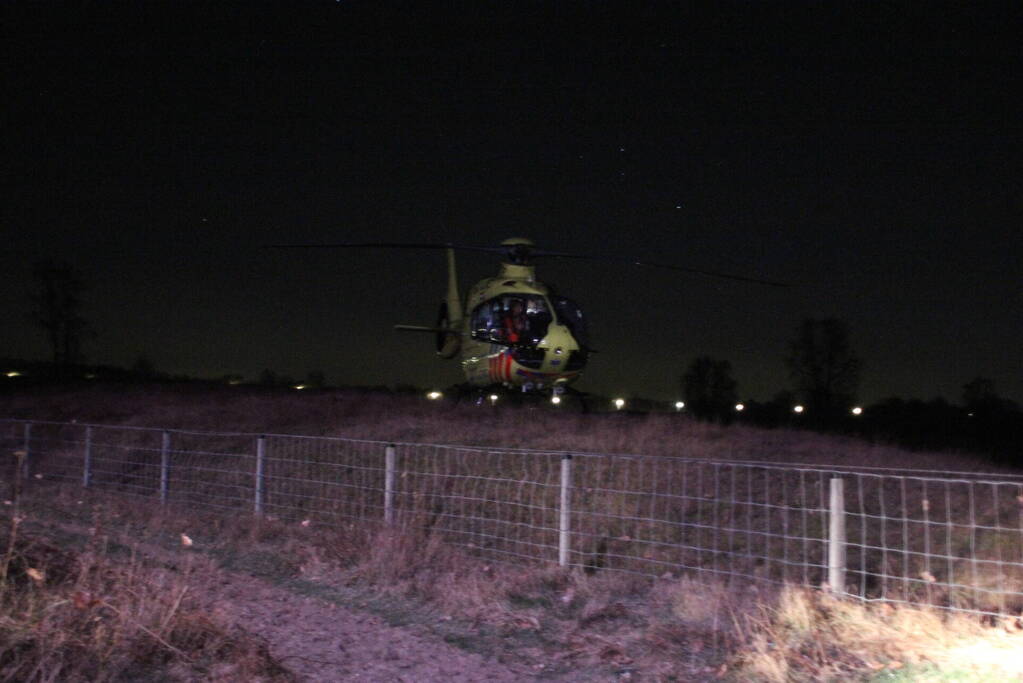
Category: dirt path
<point>323,631</point>
<point>322,628</point>
<point>322,641</point>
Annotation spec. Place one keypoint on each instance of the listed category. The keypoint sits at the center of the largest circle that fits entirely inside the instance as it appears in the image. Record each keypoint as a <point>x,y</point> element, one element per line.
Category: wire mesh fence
<point>952,540</point>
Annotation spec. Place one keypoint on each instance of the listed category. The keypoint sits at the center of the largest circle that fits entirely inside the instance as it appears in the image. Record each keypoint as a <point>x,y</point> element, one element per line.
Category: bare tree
<point>709,389</point>
<point>824,370</point>
<point>981,397</point>
<point>57,302</point>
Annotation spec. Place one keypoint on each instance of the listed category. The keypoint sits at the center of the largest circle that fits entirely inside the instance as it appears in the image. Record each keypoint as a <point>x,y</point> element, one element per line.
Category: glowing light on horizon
<point>556,400</point>
<point>797,409</point>
<point>493,399</point>
<point>679,405</point>
<point>434,395</point>
<point>14,373</point>
<point>739,407</point>
<point>857,411</point>
<point>300,387</point>
<point>619,403</point>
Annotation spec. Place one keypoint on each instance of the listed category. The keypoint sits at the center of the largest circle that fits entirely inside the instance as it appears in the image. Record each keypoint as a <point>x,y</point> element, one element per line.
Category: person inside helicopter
<point>517,319</point>
<point>514,322</point>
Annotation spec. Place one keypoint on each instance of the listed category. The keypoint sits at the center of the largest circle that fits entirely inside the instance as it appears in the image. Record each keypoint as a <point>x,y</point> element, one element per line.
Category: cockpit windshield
<point>571,316</point>
<point>512,319</point>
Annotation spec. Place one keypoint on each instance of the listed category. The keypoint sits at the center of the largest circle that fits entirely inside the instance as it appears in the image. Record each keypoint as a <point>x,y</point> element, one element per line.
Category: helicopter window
<point>571,316</point>
<point>512,319</point>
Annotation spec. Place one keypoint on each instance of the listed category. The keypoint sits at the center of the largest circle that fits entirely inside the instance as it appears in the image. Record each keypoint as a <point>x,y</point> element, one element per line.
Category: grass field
<point>627,518</point>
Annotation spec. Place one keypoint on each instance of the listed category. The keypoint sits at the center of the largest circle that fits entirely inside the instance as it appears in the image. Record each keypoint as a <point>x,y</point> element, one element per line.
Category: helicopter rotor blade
<point>387,245</point>
<point>664,266</point>
<point>423,328</point>
<point>531,252</point>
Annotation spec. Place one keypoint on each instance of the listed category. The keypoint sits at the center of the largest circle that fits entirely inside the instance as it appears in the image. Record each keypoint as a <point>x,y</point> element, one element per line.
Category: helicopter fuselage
<point>516,333</point>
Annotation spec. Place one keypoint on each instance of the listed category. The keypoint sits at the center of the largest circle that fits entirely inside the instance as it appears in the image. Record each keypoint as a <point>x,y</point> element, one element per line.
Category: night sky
<point>870,156</point>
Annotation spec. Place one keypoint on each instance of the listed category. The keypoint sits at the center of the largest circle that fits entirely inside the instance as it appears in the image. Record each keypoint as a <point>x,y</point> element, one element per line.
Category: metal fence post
<point>164,466</point>
<point>836,538</point>
<point>564,530</point>
<point>260,464</point>
<point>389,466</point>
<point>27,449</point>
<point>87,467</point>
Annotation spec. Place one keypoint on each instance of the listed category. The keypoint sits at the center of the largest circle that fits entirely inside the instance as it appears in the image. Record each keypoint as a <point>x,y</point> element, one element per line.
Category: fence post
<point>27,449</point>
<point>564,525</point>
<point>836,538</point>
<point>389,466</point>
<point>87,468</point>
<point>164,467</point>
<point>260,464</point>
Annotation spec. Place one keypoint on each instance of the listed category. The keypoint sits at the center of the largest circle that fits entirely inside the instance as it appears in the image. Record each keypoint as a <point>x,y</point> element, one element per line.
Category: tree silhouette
<point>824,370</point>
<point>709,389</point>
<point>981,397</point>
<point>57,302</point>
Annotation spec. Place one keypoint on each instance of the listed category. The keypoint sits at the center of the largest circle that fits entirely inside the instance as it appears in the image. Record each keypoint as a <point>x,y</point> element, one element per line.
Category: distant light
<point>434,395</point>
<point>739,407</point>
<point>556,400</point>
<point>234,382</point>
<point>14,373</point>
<point>857,411</point>
<point>797,409</point>
<point>679,405</point>
<point>300,387</point>
<point>90,376</point>
<point>493,399</point>
<point>619,403</point>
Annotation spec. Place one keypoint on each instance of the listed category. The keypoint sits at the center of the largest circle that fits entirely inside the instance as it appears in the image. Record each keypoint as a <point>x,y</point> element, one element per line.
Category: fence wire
<point>953,541</point>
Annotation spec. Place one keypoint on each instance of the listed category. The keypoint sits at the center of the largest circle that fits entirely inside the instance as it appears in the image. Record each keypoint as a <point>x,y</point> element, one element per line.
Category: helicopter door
<point>571,316</point>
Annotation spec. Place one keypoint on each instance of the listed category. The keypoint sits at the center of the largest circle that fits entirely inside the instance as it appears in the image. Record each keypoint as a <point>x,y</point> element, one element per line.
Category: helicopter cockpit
<point>515,319</point>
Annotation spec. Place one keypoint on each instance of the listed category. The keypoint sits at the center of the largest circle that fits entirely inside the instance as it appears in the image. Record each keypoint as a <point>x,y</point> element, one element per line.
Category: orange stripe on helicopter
<point>499,367</point>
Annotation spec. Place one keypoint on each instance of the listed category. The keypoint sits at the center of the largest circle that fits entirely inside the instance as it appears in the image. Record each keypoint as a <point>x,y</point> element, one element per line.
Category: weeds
<point>89,616</point>
<point>808,635</point>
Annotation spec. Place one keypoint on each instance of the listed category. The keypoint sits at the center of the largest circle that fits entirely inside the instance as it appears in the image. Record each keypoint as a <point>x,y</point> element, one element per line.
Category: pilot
<point>514,322</point>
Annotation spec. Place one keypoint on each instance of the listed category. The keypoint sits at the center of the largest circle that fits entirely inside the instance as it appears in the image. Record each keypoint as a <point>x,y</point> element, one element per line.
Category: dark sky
<point>869,155</point>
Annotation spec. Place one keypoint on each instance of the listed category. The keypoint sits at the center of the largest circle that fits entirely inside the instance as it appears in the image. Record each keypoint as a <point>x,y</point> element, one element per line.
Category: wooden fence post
<point>164,467</point>
<point>836,538</point>
<point>87,466</point>
<point>565,522</point>
<point>260,467</point>
<point>389,467</point>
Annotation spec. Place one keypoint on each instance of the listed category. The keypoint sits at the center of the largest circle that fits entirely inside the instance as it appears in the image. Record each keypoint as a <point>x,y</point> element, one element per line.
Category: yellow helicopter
<point>512,330</point>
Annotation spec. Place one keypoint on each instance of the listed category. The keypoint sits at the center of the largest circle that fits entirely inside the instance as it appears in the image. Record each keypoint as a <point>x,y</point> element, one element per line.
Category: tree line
<point>824,371</point>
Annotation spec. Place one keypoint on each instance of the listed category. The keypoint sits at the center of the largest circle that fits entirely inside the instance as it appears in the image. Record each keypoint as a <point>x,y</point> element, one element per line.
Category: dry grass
<point>89,615</point>
<point>96,616</point>
<point>808,636</point>
<point>408,418</point>
<point>670,628</point>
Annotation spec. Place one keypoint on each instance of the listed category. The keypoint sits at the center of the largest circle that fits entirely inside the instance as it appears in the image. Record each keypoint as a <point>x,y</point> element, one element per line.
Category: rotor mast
<point>516,264</point>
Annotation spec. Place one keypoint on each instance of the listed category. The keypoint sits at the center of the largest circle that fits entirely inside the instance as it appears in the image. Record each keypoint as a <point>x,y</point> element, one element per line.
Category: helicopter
<point>511,330</point>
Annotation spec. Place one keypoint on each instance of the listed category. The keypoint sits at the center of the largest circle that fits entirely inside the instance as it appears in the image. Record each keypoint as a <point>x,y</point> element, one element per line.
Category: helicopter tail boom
<point>423,328</point>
